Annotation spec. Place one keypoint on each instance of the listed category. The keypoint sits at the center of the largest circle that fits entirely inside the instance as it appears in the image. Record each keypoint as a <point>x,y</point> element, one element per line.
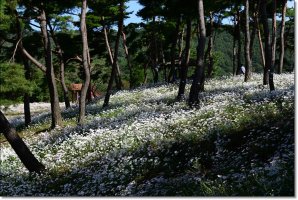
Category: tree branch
<point>76,58</point>
<point>33,60</point>
<point>34,25</point>
<point>14,52</point>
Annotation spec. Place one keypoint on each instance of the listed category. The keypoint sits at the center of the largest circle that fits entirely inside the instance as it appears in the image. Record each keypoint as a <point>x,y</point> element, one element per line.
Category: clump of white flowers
<point>146,142</point>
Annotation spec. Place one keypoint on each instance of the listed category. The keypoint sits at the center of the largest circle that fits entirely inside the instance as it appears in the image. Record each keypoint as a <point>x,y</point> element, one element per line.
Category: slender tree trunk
<point>282,41</point>
<point>180,53</point>
<point>261,46</point>
<point>247,44</point>
<point>118,73</point>
<point>180,46</point>
<point>239,42</point>
<point>268,76</point>
<point>163,62</point>
<point>185,62</point>
<point>62,66</point>
<point>171,77</point>
<point>198,80</point>
<point>86,64</point>
<point>154,53</point>
<point>26,95</point>
<point>254,29</point>
<point>209,52</point>
<point>234,46</point>
<point>145,72</point>
<point>21,149</point>
<point>63,85</point>
<point>127,55</point>
<point>55,107</point>
<point>273,44</point>
<point>120,30</point>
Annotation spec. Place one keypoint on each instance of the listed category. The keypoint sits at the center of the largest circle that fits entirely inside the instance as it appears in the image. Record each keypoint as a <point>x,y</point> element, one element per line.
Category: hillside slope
<point>240,141</point>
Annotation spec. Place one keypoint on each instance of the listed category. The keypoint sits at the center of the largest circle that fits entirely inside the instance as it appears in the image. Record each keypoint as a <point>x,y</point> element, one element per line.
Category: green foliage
<point>218,58</point>
<point>13,82</point>
<point>137,76</point>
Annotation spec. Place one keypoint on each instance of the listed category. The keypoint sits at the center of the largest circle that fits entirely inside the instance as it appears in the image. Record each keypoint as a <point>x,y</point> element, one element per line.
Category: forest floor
<point>238,142</point>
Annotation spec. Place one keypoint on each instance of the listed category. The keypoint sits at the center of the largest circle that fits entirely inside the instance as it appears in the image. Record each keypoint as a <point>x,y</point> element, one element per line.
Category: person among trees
<point>242,69</point>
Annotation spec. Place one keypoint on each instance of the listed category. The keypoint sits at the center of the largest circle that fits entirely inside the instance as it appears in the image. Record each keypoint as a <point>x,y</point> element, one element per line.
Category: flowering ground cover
<point>239,141</point>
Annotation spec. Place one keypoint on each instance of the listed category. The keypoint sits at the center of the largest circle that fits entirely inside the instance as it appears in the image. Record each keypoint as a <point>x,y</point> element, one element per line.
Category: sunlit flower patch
<point>241,135</point>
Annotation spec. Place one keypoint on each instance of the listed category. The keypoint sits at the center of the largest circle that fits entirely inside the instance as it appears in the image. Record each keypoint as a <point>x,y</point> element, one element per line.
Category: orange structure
<point>75,89</point>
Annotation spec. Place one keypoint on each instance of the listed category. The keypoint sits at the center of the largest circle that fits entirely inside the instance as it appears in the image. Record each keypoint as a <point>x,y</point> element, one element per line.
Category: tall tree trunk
<point>63,85</point>
<point>127,55</point>
<point>238,71</point>
<point>234,46</point>
<point>185,62</point>
<point>26,95</point>
<point>55,107</point>
<point>120,30</point>
<point>172,77</point>
<point>60,56</point>
<point>180,53</point>
<point>21,149</point>
<point>145,72</point>
<point>180,46</point>
<point>89,91</point>
<point>198,80</point>
<point>86,64</point>
<point>254,28</point>
<point>268,76</point>
<point>209,52</point>
<point>282,41</point>
<point>163,62</point>
<point>154,54</point>
<point>118,73</point>
<point>247,44</point>
<point>273,44</point>
<point>261,46</point>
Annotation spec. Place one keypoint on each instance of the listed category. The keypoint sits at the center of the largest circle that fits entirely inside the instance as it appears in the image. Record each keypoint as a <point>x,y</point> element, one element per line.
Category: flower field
<point>238,142</point>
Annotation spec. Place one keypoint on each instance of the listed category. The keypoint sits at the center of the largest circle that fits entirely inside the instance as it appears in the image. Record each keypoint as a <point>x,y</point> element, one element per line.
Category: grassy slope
<point>239,142</point>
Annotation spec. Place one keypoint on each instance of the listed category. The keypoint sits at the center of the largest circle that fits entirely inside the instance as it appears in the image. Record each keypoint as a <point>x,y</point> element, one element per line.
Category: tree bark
<point>33,60</point>
<point>282,40</point>
<point>234,46</point>
<point>180,46</point>
<point>247,44</point>
<point>86,64</point>
<point>273,45</point>
<point>26,95</point>
<point>21,149</point>
<point>238,71</point>
<point>254,29</point>
<point>172,77</point>
<point>198,80</point>
<point>62,67</point>
<point>268,76</point>
<point>163,62</point>
<point>127,58</point>
<point>118,73</point>
<point>261,46</point>
<point>55,108</point>
<point>154,54</point>
<point>209,52</point>
<point>115,58</point>
<point>185,62</point>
